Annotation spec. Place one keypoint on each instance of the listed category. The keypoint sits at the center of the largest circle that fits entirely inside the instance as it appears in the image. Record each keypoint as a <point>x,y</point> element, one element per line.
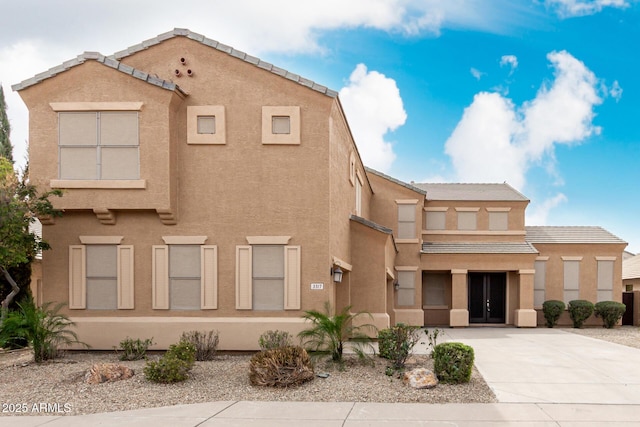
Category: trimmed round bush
<point>579,311</point>
<point>174,366</point>
<point>552,310</point>
<point>281,367</point>
<point>396,343</point>
<point>610,311</point>
<point>453,362</point>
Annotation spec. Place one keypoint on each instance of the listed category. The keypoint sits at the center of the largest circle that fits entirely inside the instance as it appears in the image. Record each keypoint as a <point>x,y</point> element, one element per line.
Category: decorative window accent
<point>101,277</point>
<point>184,275</point>
<point>406,289</point>
<point>268,277</point>
<point>98,145</point>
<point>406,219</point>
<point>435,289</point>
<point>539,283</point>
<point>498,221</point>
<point>206,124</point>
<point>571,278</point>
<point>281,125</point>
<point>605,279</point>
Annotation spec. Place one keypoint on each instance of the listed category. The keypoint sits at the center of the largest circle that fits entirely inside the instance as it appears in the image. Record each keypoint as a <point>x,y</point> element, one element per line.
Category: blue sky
<point>543,94</point>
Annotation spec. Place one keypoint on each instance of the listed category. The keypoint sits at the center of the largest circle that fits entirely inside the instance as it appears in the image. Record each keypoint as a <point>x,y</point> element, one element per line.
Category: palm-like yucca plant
<point>329,333</point>
<point>44,328</point>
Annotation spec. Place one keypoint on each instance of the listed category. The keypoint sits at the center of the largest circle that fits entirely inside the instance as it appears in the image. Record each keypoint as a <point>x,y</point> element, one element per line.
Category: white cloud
<point>477,74</point>
<point>615,91</point>
<point>571,8</point>
<point>537,214</point>
<point>497,141</point>
<point>511,61</point>
<point>374,107</point>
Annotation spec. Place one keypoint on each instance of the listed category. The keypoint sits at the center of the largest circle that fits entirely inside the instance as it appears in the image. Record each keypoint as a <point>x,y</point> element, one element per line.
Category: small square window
<point>206,125</point>
<point>281,125</point>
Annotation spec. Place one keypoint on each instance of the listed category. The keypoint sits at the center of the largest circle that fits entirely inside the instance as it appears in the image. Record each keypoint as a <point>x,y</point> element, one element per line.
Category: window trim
<point>217,138</point>
<point>270,138</point>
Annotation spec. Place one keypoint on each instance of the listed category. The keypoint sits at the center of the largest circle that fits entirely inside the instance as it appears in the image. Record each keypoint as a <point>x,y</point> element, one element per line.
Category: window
<point>605,278</point>
<point>98,145</point>
<point>571,278</point>
<point>101,274</point>
<point>407,221</point>
<point>539,283</point>
<point>268,276</point>
<point>184,274</point>
<point>435,220</point>
<point>358,194</point>
<point>467,218</point>
<point>434,289</point>
<point>406,289</point>
<point>281,125</point>
<point>206,125</point>
<point>498,221</point>
<point>352,168</point>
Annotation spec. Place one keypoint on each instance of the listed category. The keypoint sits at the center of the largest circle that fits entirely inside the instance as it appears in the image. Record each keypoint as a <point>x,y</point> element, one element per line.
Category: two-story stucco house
<point>207,189</point>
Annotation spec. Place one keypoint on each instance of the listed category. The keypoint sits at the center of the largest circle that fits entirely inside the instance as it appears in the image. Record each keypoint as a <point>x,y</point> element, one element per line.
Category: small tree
<point>20,204</point>
<point>6,150</point>
<point>328,333</point>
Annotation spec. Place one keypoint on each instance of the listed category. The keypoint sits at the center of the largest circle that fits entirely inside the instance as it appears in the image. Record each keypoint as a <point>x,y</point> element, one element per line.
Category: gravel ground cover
<point>625,335</point>
<point>60,385</point>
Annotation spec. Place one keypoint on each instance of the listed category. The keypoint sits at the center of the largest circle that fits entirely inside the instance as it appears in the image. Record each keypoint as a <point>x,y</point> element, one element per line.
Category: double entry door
<point>487,297</point>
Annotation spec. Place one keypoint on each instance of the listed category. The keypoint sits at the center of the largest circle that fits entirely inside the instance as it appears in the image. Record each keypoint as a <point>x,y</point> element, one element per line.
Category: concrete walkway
<point>542,377</point>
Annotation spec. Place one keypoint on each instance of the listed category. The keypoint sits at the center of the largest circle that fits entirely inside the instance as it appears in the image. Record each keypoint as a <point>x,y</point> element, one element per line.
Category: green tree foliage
<point>20,204</point>
<point>6,150</point>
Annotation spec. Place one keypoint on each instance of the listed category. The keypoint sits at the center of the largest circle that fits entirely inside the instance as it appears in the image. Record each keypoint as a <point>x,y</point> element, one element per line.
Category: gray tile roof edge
<point>531,248</point>
<point>609,234</point>
<point>238,54</point>
<point>395,181</point>
<point>523,198</point>
<point>107,61</point>
<point>371,224</point>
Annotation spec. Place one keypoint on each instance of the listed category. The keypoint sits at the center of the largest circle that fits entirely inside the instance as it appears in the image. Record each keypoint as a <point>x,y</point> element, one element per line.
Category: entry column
<point>459,314</point>
<point>526,316</point>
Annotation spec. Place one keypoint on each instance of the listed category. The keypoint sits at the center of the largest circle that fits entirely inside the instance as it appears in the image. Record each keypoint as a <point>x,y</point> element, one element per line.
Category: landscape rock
<point>420,378</point>
<point>107,372</point>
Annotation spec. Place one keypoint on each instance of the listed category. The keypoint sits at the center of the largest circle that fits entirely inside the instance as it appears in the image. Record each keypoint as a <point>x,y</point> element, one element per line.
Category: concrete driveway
<point>552,366</point>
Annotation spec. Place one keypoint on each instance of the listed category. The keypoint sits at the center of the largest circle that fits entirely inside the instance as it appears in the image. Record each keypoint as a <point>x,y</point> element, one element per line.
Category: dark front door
<point>487,297</point>
<point>627,299</point>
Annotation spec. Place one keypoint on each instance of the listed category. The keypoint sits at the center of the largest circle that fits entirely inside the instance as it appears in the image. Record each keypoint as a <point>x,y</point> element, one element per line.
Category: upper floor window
<point>406,221</point>
<point>281,125</point>
<point>436,218</point>
<point>98,145</point>
<point>358,194</point>
<point>498,219</point>
<point>467,218</point>
<point>206,124</point>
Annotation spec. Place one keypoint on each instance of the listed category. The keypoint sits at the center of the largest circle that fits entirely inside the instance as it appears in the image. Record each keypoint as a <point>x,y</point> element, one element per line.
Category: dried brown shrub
<point>281,367</point>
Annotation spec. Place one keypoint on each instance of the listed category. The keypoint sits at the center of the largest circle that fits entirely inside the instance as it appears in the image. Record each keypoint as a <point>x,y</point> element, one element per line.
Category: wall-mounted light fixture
<point>337,274</point>
<point>396,285</point>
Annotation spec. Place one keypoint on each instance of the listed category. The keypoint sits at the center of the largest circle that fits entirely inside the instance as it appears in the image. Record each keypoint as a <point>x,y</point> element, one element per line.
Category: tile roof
<point>566,234</point>
<point>471,192</point>
<point>183,32</point>
<point>396,181</point>
<point>98,57</point>
<point>478,248</point>
<point>631,268</point>
<point>371,224</point>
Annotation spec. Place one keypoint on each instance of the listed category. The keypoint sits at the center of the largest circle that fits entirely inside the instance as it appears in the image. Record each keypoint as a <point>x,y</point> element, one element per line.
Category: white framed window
<point>206,125</point>
<point>406,221</point>
<point>358,194</point>
<point>281,125</point>
<point>268,277</point>
<point>184,274</point>
<point>98,145</point>
<point>101,275</point>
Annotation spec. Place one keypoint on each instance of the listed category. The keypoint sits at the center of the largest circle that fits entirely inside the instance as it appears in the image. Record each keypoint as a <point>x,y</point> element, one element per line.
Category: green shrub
<point>610,312</point>
<point>579,311</point>
<point>205,343</point>
<point>274,339</point>
<point>43,327</point>
<point>552,310</point>
<point>453,362</point>
<point>174,366</point>
<point>134,349</point>
<point>396,343</point>
<point>281,367</point>
<point>432,338</point>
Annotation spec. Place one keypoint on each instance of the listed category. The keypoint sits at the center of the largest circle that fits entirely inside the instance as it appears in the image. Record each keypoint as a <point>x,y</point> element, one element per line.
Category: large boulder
<point>107,372</point>
<point>420,378</point>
